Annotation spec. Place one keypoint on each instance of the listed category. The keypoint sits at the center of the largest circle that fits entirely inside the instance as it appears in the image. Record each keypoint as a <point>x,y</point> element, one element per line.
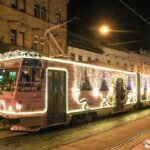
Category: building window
<point>35,43</point>
<point>36,9</point>
<point>72,56</point>
<point>125,65</point>
<point>80,58</point>
<point>21,39</point>
<point>138,69</point>
<point>42,48</point>
<point>14,4</point>
<point>22,5</point>
<point>13,36</point>
<point>89,58</point>
<point>58,17</point>
<point>108,61</point>
<point>132,68</point>
<point>145,70</point>
<point>117,63</point>
<point>42,45</point>
<point>43,13</point>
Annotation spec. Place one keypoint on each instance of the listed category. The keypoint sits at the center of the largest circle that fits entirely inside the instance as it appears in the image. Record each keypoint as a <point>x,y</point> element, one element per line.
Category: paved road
<point>139,143</point>
<point>107,132</point>
<point>106,140</point>
<point>9,134</point>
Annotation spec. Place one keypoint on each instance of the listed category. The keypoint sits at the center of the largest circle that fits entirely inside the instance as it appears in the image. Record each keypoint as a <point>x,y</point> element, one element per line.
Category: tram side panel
<point>83,88</point>
<point>70,103</point>
<point>103,88</point>
<point>30,92</point>
<point>145,90</point>
<point>86,88</point>
<point>94,88</point>
<point>9,72</point>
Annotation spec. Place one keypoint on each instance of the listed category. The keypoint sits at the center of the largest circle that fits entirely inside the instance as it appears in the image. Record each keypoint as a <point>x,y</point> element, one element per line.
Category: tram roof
<point>18,54</point>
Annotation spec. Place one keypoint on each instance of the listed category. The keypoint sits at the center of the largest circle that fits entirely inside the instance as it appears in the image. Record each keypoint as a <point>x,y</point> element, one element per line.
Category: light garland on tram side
<point>38,56</point>
<point>55,68</point>
<point>59,69</point>
<point>146,77</point>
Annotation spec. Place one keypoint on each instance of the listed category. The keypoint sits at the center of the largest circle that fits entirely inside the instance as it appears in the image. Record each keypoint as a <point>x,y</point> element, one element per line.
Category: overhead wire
<point>129,42</point>
<point>141,17</point>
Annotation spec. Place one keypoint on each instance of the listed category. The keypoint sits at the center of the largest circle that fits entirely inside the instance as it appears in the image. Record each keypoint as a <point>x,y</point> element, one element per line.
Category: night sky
<point>93,13</point>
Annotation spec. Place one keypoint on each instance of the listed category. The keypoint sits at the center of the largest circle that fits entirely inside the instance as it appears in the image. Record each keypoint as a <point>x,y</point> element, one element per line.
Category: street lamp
<point>104,30</point>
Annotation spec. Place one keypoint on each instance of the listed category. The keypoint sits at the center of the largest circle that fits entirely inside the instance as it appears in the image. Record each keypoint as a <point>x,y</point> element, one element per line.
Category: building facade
<point>107,57</point>
<point>23,23</point>
<point>82,49</point>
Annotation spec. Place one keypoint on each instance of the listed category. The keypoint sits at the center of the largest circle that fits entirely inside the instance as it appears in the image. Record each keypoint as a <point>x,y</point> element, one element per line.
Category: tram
<point>42,91</point>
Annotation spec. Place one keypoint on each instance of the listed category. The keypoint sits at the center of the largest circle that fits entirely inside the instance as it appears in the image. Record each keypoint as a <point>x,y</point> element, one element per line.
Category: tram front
<point>9,70</point>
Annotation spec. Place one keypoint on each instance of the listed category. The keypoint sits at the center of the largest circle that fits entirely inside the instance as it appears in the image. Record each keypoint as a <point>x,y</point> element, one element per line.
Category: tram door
<point>119,94</point>
<point>56,95</point>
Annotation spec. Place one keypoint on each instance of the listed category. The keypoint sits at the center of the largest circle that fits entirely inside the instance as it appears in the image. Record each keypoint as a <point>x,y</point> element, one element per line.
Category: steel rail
<point>97,132</point>
<point>129,139</point>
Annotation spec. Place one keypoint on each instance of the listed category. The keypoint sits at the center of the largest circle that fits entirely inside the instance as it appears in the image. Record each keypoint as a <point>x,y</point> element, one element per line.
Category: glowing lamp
<point>104,30</point>
<point>10,108</point>
<point>96,92</point>
<point>18,106</point>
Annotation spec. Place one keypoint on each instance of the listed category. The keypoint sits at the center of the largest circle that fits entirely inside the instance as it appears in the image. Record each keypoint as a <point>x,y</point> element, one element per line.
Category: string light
<point>33,55</point>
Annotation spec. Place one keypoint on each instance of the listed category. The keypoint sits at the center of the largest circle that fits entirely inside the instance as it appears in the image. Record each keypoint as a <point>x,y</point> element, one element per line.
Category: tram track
<point>5,131</point>
<point>50,135</point>
<point>128,140</point>
<point>4,125</point>
<point>98,132</point>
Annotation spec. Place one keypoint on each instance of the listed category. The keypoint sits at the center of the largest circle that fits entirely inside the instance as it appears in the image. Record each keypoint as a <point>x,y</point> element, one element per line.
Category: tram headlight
<point>18,106</point>
<point>10,108</point>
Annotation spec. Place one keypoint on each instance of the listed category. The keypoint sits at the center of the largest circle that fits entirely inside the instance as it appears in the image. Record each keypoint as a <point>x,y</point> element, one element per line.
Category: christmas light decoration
<point>2,105</point>
<point>18,106</point>
<point>145,87</point>
<point>91,82</point>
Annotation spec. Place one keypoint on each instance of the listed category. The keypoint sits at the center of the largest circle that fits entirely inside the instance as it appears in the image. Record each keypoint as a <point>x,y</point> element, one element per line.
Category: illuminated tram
<point>43,92</point>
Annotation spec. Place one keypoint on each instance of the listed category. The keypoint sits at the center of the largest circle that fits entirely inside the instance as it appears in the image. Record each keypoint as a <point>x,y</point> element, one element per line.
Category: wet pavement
<point>111,138</point>
<point>139,143</point>
<point>110,130</point>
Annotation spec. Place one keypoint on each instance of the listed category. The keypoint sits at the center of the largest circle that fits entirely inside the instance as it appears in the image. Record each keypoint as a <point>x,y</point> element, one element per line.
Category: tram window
<point>26,74</point>
<point>12,76</point>
<point>31,79</point>
<point>26,62</point>
<point>8,79</point>
<point>32,74</point>
<point>42,75</point>
<point>36,75</point>
<point>31,62</point>
<point>1,79</point>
